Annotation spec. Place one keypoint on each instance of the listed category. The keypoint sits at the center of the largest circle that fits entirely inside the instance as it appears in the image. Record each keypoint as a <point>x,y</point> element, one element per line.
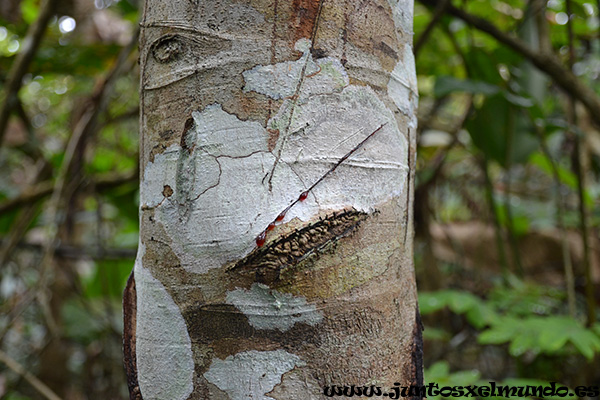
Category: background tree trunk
<point>277,154</point>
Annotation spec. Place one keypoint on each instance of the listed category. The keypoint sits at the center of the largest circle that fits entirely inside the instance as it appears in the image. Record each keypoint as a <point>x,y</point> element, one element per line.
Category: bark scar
<point>129,346</point>
<point>289,250</point>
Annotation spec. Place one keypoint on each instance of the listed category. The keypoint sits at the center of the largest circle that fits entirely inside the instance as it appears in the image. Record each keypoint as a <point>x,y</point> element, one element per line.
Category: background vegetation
<point>506,209</point>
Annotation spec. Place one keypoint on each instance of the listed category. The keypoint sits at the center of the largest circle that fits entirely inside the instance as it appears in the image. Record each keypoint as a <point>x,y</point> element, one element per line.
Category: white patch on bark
<point>227,187</point>
<point>252,374</point>
<point>281,80</point>
<point>269,309</point>
<point>163,346</point>
<point>242,138</point>
<point>402,86</point>
<point>403,14</point>
<point>323,130</point>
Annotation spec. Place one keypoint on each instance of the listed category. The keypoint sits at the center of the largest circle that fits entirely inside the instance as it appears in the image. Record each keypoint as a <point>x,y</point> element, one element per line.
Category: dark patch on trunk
<point>416,375</point>
<point>189,124</point>
<point>158,149</point>
<point>129,325</point>
<point>273,136</point>
<point>167,191</point>
<point>387,50</point>
<point>166,135</point>
<point>226,330</point>
<point>318,53</point>
<point>167,48</point>
<point>224,320</point>
<point>284,252</point>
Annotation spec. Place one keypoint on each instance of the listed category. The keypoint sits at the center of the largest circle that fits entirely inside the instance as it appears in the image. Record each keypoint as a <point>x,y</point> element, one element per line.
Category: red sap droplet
<point>271,226</point>
<point>260,239</point>
<point>303,196</point>
<point>280,217</point>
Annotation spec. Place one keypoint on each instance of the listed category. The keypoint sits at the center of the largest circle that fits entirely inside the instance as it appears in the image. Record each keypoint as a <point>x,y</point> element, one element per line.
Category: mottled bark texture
<point>277,154</point>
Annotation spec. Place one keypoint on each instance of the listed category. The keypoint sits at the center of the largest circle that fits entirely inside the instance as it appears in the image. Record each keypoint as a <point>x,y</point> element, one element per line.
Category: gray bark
<point>277,154</point>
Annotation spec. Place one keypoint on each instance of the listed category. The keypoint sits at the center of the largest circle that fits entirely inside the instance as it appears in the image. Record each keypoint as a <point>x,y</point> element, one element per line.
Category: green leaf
<point>432,333</point>
<point>481,314</point>
<point>488,127</point>
<point>29,10</point>
<point>596,328</point>
<point>551,340</point>
<point>464,378</point>
<point>501,132</point>
<point>15,396</point>
<point>504,330</point>
<point>430,302</point>
<point>519,101</point>
<point>460,302</point>
<point>586,342</point>
<point>438,370</point>
<point>565,176</point>
<point>483,66</point>
<point>522,343</point>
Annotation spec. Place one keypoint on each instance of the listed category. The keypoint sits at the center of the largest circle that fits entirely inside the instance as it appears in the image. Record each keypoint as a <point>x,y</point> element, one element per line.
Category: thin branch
<point>489,191</point>
<point>43,189</point>
<point>28,376</point>
<point>31,147</point>
<point>560,219</point>
<point>437,15</point>
<point>510,229</point>
<point>581,181</point>
<point>546,62</point>
<point>17,231</point>
<point>80,252</point>
<point>115,119</point>
<point>21,64</point>
<point>440,157</point>
<point>29,211</point>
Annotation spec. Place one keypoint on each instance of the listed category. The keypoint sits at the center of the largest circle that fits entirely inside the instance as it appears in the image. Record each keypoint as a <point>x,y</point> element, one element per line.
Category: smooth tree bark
<point>277,166</point>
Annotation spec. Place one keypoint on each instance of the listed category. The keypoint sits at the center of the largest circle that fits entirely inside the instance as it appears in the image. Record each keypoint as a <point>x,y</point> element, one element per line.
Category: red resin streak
<point>303,196</point>
<point>260,239</point>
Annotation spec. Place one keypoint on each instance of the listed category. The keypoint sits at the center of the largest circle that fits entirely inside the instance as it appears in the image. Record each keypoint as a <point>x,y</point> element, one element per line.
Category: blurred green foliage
<point>484,110</point>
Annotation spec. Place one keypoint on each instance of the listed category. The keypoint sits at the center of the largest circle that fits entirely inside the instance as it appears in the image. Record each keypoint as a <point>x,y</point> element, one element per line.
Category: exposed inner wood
<point>267,262</point>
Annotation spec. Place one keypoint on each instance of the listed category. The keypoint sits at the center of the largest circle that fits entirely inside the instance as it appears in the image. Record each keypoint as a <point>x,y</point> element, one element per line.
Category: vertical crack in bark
<point>416,375</point>
<point>408,185</point>
<point>313,36</point>
<point>296,94</point>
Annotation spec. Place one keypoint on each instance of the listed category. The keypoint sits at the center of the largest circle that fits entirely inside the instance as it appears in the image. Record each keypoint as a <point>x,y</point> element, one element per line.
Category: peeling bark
<point>277,156</point>
<point>129,325</point>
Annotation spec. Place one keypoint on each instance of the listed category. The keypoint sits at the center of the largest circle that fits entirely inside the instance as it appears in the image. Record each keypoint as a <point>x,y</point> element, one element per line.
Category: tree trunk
<point>277,154</point>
